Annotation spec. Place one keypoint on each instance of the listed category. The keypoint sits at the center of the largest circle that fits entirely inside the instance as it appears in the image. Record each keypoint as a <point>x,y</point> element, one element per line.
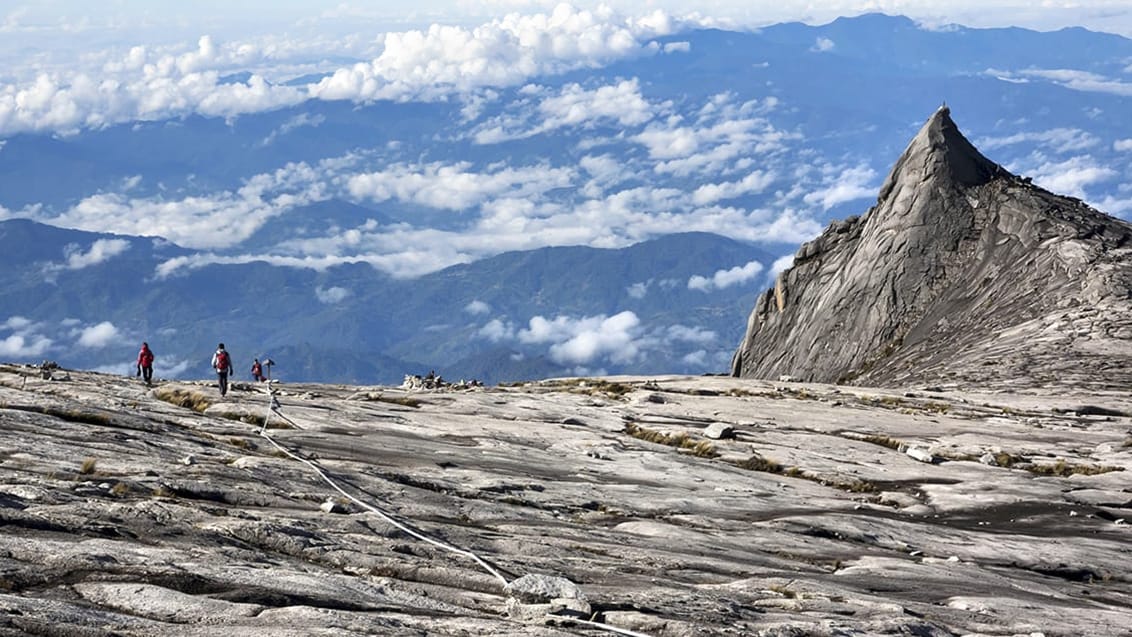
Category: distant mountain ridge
<point>961,273</point>
<point>352,323</point>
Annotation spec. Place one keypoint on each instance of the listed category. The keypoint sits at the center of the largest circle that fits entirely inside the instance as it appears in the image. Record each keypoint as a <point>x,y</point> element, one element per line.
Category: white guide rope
<point>273,408</point>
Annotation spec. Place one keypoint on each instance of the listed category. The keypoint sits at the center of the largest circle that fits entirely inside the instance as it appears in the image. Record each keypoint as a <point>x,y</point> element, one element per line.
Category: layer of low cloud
<point>571,106</point>
<point>99,335</point>
<point>587,341</point>
<point>1059,140</point>
<point>1072,176</point>
<point>148,83</point>
<point>331,295</point>
<point>726,278</point>
<point>21,338</point>
<point>477,307</point>
<point>101,250</point>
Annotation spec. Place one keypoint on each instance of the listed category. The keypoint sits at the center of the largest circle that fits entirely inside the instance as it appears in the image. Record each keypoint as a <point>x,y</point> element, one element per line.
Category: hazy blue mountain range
<point>385,327</point>
<point>616,216</point>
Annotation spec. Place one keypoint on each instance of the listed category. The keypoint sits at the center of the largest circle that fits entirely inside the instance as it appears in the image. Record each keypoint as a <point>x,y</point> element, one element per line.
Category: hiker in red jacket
<point>145,363</point>
<point>222,363</point>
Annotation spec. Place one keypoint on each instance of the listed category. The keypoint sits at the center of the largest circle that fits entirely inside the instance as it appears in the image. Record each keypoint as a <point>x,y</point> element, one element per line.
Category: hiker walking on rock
<point>145,363</point>
<point>257,371</point>
<point>222,363</point>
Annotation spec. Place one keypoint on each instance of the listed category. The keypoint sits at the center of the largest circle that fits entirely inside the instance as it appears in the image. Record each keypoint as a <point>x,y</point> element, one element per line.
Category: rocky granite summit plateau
<point>672,506</point>
<point>962,274</point>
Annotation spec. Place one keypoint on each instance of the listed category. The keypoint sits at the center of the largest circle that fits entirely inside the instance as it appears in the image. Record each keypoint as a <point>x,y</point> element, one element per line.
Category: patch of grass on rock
<point>680,440</point>
<point>181,397</point>
<point>404,401</point>
<point>1064,469</point>
<point>884,441</point>
<point>596,387</point>
<point>759,463</point>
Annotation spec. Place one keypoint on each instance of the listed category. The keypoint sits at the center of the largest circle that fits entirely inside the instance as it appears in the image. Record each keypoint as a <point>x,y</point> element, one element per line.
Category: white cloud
<point>141,86</point>
<point>726,278</point>
<point>331,295</point>
<point>25,339</point>
<point>497,330</point>
<point>429,64</point>
<point>101,250</point>
<point>850,184</point>
<point>19,346</point>
<point>298,121</point>
<point>588,339</point>
<point>1062,140</point>
<point>756,182</point>
<point>689,334</point>
<point>1080,80</point>
<point>216,221</point>
<point>1115,206</point>
<point>147,83</point>
<point>16,323</point>
<point>697,358</point>
<point>678,47</point>
<point>455,186</point>
<point>822,45</point>
<point>98,336</point>
<point>477,307</point>
<point>573,106</point>
<point>781,264</point>
<point>1070,177</point>
<point>1122,145</point>
<point>639,290</point>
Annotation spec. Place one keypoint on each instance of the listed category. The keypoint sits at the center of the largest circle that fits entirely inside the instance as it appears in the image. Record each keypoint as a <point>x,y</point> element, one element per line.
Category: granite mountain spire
<point>962,273</point>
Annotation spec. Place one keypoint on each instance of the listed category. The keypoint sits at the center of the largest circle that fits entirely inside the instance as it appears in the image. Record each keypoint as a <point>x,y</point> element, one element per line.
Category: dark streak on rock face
<point>961,274</point>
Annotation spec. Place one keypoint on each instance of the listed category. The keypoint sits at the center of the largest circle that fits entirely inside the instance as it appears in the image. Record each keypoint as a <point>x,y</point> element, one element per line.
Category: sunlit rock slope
<point>961,274</point>
<point>567,507</point>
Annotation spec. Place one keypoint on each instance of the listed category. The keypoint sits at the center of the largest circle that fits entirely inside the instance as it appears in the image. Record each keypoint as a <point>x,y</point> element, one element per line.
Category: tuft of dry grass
<point>1064,469</point>
<point>88,466</point>
<point>759,463</point>
<point>404,401</point>
<point>884,441</point>
<point>181,397</point>
<point>1004,459</point>
<point>595,387</point>
<point>119,489</point>
<point>679,440</point>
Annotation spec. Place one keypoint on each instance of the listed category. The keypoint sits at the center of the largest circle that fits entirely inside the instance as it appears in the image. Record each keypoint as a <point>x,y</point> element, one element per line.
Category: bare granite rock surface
<point>962,275</point>
<point>562,507</point>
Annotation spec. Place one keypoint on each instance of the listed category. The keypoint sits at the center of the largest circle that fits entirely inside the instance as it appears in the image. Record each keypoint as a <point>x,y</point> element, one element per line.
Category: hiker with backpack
<point>257,371</point>
<point>222,363</point>
<point>145,363</point>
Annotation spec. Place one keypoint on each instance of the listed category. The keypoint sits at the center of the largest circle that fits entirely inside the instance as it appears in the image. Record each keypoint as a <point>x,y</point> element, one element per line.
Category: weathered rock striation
<point>593,504</point>
<point>962,274</point>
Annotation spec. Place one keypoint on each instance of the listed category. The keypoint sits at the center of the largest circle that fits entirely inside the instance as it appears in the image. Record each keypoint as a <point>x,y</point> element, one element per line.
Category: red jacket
<point>145,357</point>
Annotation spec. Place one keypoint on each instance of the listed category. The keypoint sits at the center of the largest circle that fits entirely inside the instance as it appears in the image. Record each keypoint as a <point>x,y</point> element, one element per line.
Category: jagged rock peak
<point>961,271</point>
<point>941,150</point>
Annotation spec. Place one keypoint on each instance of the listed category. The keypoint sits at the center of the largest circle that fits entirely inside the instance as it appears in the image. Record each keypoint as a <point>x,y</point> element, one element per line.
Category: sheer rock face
<point>961,273</point>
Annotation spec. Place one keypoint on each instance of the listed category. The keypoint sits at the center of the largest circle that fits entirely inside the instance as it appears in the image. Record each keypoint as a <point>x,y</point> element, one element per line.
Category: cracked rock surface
<point>590,504</point>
